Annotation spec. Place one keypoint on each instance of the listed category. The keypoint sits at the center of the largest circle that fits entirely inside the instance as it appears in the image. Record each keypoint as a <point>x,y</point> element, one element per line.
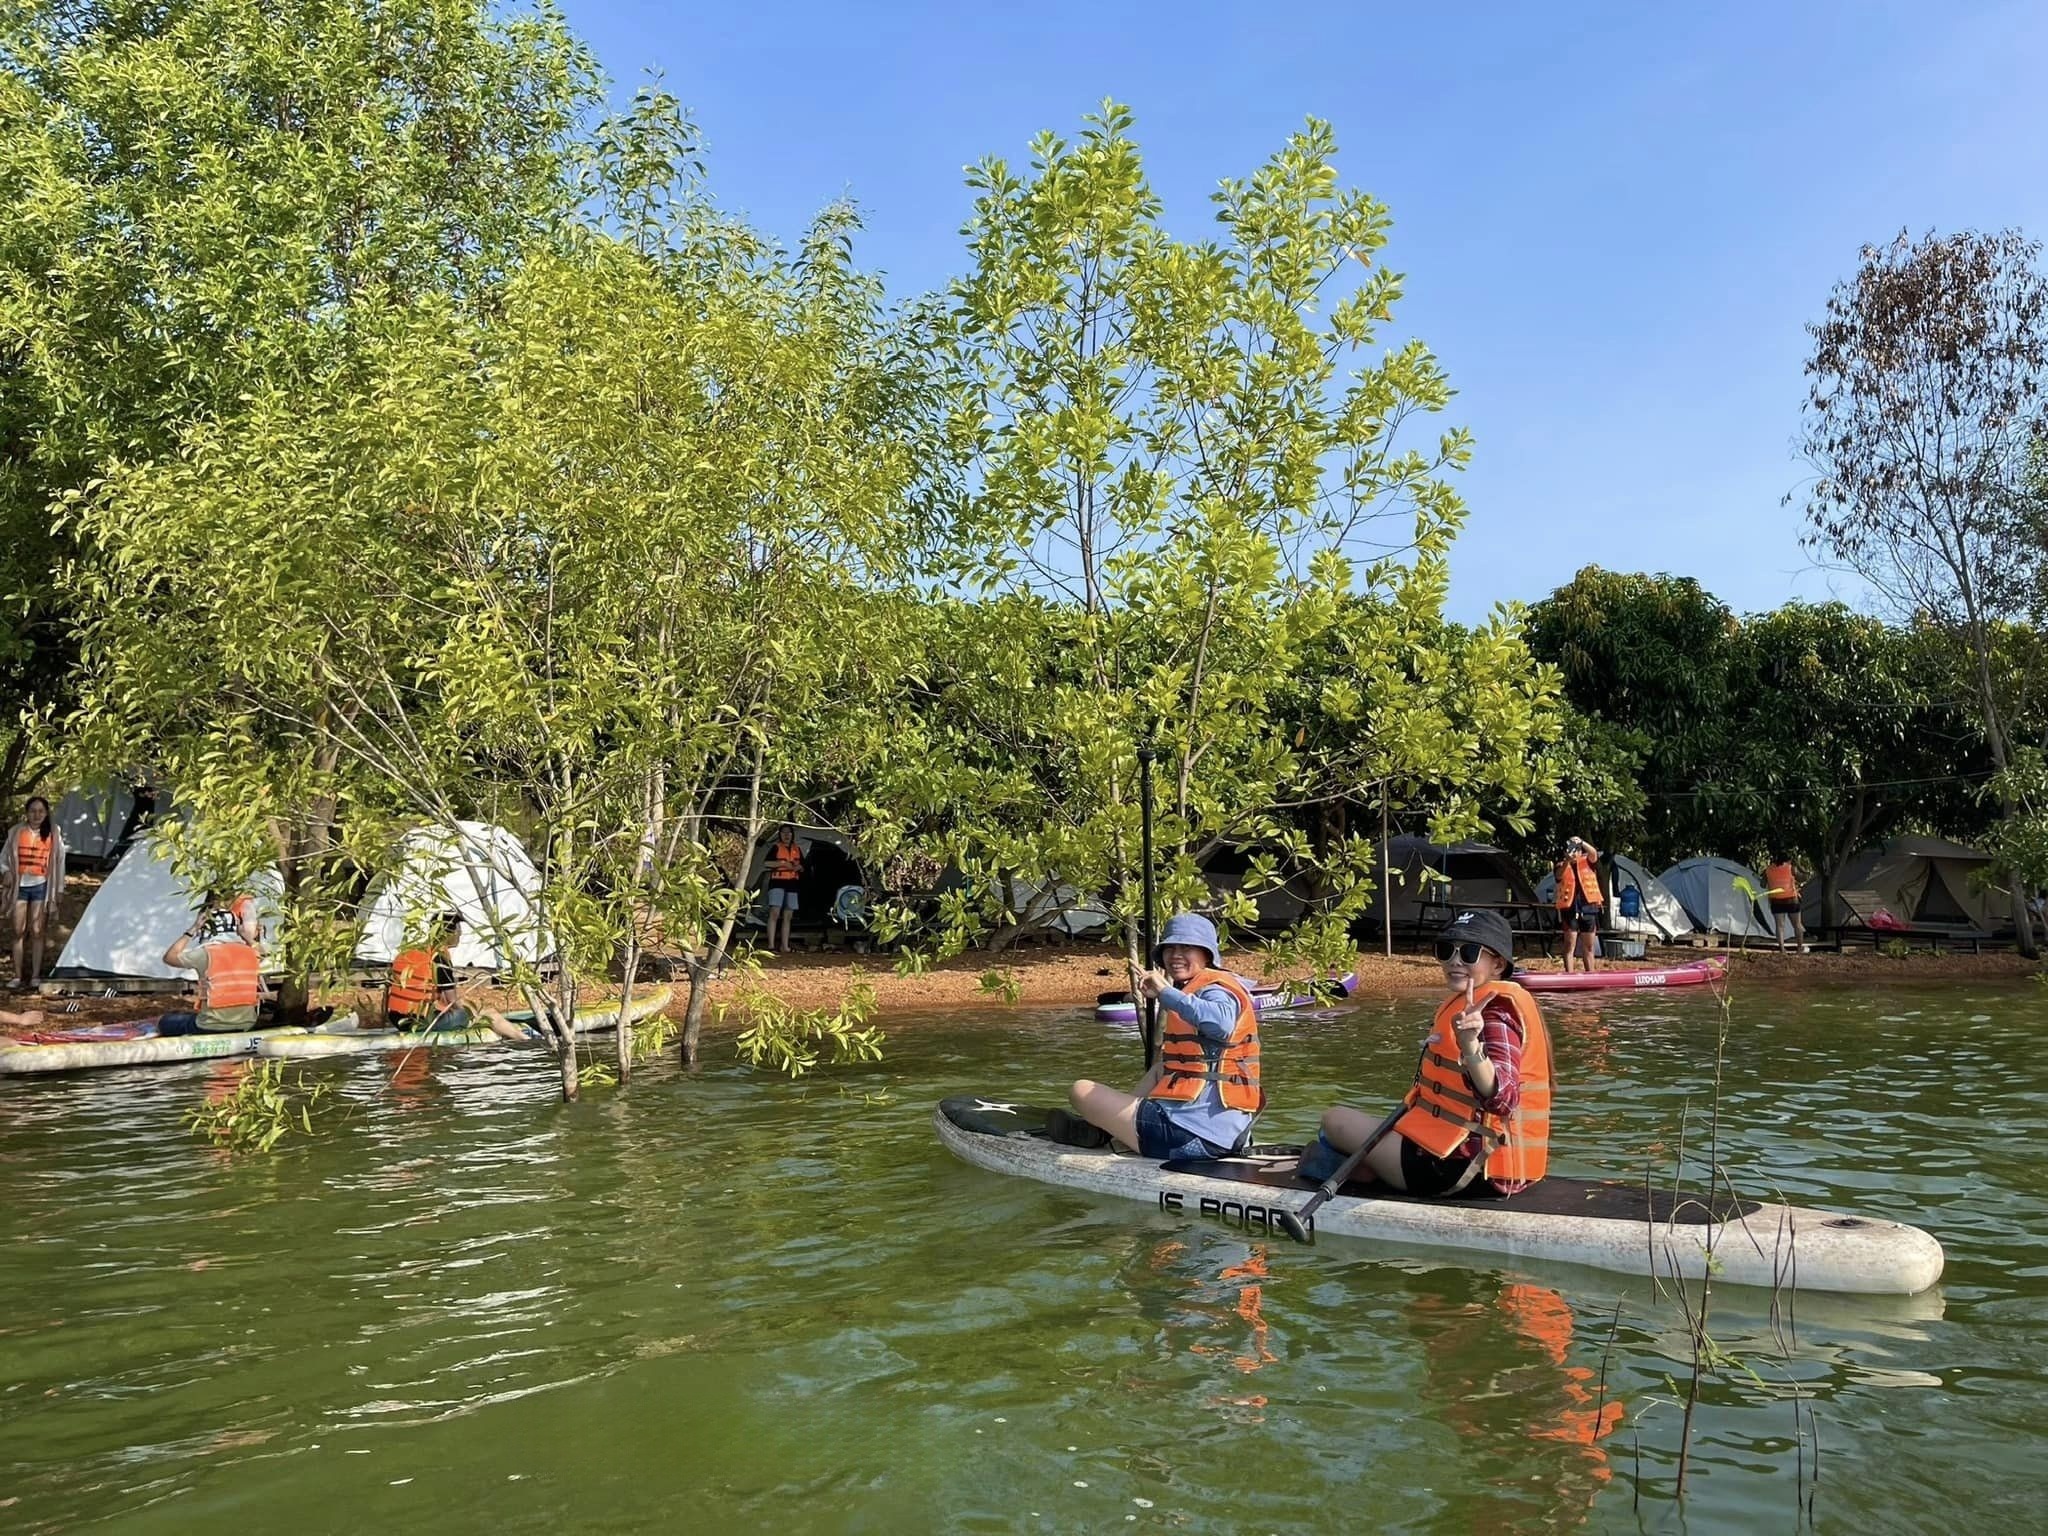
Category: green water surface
<point>726,1302</point>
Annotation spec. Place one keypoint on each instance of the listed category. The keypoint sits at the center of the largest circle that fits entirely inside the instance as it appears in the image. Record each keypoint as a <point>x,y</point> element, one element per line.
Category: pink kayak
<point>1698,973</point>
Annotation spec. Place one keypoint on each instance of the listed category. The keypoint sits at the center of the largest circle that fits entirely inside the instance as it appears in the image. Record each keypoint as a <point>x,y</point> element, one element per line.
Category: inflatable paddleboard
<point>1611,1226</point>
<point>299,1046</point>
<point>1697,973</point>
<point>135,1043</point>
<point>1270,999</point>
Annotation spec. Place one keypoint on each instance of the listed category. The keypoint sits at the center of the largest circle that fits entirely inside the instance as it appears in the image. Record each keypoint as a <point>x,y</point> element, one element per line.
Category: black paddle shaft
<point>1147,933</point>
<point>1300,1225</point>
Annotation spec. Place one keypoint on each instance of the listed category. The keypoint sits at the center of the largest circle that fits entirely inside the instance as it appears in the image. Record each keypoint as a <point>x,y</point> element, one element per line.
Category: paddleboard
<point>1696,973</point>
<point>589,1019</point>
<point>1270,999</point>
<point>1612,1226</point>
<point>135,1043</point>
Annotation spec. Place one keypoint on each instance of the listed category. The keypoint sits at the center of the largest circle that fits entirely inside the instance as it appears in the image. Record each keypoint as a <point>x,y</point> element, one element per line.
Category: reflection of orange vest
<point>785,861</point>
<point>230,979</point>
<point>1443,1109</point>
<point>1582,869</point>
<point>1780,883</point>
<point>412,983</point>
<point>1187,1066</point>
<point>32,857</point>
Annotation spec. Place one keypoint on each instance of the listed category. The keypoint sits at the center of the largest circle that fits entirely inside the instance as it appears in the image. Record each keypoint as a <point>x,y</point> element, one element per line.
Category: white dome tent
<point>1713,901</point>
<point>478,870</point>
<point>1659,917</point>
<point>143,907</point>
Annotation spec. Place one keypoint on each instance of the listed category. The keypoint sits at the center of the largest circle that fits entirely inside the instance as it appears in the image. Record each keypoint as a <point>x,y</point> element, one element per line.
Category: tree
<point>1922,417</point>
<point>1646,659</point>
<point>1186,473</point>
<point>211,201</point>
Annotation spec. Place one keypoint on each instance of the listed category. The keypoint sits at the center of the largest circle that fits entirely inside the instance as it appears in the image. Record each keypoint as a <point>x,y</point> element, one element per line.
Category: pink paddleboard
<point>1698,973</point>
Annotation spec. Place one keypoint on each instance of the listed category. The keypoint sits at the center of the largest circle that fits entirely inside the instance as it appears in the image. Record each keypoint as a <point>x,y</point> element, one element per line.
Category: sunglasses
<point>1468,952</point>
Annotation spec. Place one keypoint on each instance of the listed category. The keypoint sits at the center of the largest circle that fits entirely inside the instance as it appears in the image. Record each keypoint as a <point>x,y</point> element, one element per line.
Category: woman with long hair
<point>32,877</point>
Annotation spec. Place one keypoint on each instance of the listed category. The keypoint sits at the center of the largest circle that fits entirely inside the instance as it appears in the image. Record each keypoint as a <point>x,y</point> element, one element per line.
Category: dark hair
<point>49,816</point>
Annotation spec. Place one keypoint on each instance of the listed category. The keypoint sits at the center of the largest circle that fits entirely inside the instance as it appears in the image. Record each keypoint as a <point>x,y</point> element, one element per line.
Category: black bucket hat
<point>1488,928</point>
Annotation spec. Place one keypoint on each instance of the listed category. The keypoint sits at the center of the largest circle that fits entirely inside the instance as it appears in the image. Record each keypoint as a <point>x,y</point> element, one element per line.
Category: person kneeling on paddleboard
<point>1200,1097</point>
<point>1476,1121</point>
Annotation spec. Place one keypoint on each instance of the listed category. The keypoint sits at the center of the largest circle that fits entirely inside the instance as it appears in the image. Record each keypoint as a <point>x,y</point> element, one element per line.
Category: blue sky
<point>1615,219</point>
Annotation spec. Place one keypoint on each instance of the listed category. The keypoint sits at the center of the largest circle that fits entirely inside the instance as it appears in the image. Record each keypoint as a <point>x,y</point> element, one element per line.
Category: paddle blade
<point>1296,1228</point>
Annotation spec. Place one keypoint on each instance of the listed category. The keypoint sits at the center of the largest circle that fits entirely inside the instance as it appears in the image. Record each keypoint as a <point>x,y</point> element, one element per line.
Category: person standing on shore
<point>1781,886</point>
<point>1579,902</point>
<point>785,873</point>
<point>32,876</point>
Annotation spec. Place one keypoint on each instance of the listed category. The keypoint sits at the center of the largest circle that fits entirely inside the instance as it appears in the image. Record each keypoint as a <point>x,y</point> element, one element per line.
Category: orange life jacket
<point>1182,1053</point>
<point>230,979</point>
<point>1581,869</point>
<point>785,861</point>
<point>1780,883</point>
<point>1443,1110</point>
<point>32,857</point>
<point>412,983</point>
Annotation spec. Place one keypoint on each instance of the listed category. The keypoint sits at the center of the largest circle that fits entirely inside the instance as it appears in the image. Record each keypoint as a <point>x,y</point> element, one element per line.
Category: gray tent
<point>1714,901</point>
<point>1922,881</point>
<point>1655,914</point>
<point>1428,882</point>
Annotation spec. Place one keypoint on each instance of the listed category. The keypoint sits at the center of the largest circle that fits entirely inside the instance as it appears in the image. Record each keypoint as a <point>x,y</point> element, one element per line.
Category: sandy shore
<point>1066,976</point>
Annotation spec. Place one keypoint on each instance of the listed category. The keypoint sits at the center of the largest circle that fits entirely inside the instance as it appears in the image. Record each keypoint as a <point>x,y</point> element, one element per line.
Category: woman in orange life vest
<point>1781,885</point>
<point>1578,902</point>
<point>422,996</point>
<point>32,875</point>
<point>1476,1121</point>
<point>1200,1097</point>
<point>785,870</point>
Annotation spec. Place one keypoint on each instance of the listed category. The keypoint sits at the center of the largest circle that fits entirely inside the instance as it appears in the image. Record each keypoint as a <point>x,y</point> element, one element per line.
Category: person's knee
<point>1078,1094</point>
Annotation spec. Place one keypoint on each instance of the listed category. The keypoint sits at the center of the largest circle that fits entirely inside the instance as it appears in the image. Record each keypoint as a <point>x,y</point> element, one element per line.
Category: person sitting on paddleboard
<point>222,946</point>
<point>1201,1095</point>
<point>422,996</point>
<point>1476,1121</point>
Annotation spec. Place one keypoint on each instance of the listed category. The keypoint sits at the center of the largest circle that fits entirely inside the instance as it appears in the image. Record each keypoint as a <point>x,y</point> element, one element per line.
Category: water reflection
<point>727,1303</point>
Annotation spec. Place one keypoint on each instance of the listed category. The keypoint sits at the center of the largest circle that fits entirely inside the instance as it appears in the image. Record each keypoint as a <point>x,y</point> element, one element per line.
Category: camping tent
<point>1660,914</point>
<point>139,912</point>
<point>1477,873</point>
<point>1923,881</point>
<point>92,820</point>
<point>480,871</point>
<point>1713,902</point>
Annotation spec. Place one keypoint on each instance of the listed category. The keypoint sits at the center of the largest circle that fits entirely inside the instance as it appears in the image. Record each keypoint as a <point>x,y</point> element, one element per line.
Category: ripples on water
<point>732,1303</point>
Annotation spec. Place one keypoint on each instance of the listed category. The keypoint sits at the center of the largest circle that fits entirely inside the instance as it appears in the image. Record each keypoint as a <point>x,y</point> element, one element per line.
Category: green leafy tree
<point>1186,467</point>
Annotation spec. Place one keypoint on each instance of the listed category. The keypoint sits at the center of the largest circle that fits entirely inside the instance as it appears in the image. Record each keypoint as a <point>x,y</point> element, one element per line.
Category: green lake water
<point>726,1302</point>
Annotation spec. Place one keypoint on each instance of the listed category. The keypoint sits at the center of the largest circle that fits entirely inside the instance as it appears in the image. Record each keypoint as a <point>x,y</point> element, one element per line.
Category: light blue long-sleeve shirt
<point>1213,1013</point>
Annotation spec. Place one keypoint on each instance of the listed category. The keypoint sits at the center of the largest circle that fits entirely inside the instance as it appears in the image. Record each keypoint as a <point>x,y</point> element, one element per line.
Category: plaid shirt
<point>1500,1037</point>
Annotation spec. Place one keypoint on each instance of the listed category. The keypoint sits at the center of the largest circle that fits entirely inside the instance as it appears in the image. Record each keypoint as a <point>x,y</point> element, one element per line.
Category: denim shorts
<point>29,895</point>
<point>780,896</point>
<point>1160,1139</point>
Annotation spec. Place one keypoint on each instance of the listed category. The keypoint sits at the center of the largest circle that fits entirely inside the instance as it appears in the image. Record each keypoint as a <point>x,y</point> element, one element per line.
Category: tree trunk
<point>701,968</point>
<point>628,970</point>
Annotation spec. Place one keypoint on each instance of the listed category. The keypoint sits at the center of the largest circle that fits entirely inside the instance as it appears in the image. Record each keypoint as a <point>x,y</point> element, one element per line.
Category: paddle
<point>1296,1224</point>
<point>1148,933</point>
